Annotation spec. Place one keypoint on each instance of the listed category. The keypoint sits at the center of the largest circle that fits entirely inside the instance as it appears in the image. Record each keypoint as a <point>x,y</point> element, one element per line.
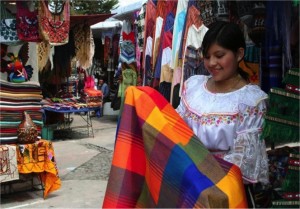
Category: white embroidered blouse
<point>231,122</point>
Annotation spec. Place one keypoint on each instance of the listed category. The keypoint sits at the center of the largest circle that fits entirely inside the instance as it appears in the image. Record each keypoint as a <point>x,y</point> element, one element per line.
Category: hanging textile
<point>193,18</point>
<point>54,20</point>
<point>177,31</point>
<point>207,11</point>
<point>106,49</point>
<point>165,54</point>
<point>27,23</point>
<point>140,22</point>
<point>159,163</point>
<point>148,42</point>
<point>8,23</point>
<point>43,54</point>
<point>127,52</point>
<point>84,45</point>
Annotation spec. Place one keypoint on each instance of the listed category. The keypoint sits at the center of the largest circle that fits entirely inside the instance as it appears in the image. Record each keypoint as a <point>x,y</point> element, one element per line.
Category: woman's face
<point>222,63</point>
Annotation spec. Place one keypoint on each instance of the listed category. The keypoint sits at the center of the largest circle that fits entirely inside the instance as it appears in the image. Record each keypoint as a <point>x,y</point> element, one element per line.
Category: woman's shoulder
<point>195,80</point>
<point>252,94</point>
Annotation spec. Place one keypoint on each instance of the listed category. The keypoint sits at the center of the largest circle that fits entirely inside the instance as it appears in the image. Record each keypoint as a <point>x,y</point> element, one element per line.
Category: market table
<point>67,123</point>
<point>36,158</point>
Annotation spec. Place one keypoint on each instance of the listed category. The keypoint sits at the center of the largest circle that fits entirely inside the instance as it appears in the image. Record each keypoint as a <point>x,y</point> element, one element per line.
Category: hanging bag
<point>54,20</point>
<point>27,23</point>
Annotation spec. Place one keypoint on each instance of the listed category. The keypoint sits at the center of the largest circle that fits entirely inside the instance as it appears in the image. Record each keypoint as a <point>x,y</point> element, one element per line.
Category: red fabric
<point>27,23</point>
<point>55,28</point>
<point>128,37</point>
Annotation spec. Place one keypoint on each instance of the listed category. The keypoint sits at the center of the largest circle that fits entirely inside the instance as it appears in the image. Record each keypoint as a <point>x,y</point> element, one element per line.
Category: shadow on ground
<point>97,168</point>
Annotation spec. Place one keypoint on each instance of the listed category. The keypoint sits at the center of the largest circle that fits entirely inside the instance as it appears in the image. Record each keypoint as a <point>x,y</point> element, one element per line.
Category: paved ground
<point>83,163</point>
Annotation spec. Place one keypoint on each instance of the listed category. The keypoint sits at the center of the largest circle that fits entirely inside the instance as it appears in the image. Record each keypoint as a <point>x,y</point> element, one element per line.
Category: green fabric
<point>290,183</point>
<point>280,132</point>
<point>285,204</point>
<point>292,77</point>
<point>283,105</point>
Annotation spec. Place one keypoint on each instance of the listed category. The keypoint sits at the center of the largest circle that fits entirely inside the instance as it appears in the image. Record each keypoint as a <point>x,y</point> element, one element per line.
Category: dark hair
<point>227,35</point>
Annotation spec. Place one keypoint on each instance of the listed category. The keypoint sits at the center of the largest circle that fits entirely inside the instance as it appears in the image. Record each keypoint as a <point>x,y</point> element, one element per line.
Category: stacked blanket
<point>159,162</point>
<point>15,98</point>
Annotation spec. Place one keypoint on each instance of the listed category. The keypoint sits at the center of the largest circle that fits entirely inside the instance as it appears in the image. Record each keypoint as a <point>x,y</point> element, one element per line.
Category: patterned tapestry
<point>8,163</point>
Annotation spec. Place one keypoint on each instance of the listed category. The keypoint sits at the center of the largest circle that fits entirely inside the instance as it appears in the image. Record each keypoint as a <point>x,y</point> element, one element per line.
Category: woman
<point>224,110</point>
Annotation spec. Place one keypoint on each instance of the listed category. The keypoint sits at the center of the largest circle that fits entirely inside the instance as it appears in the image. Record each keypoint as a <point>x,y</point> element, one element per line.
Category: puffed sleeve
<point>249,150</point>
<point>181,108</point>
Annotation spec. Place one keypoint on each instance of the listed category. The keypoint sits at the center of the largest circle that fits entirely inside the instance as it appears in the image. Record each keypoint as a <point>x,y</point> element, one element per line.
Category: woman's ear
<point>240,54</point>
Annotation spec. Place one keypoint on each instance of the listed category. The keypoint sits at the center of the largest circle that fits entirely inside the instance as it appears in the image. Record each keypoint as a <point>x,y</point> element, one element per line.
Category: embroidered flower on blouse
<point>252,112</point>
<point>212,119</point>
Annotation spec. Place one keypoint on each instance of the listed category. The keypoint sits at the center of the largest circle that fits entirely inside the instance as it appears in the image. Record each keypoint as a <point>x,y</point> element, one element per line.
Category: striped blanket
<point>159,162</point>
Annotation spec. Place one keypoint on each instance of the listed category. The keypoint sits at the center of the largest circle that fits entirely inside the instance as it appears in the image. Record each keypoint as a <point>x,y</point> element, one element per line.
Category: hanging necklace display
<point>55,21</point>
<point>8,34</point>
<point>27,23</point>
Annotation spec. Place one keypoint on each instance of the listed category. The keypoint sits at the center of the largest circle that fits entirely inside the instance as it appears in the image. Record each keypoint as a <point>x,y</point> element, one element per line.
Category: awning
<point>107,24</point>
<point>88,19</point>
<point>126,12</point>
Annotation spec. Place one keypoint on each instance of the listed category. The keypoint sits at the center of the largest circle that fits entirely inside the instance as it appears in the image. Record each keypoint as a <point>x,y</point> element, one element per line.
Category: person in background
<point>104,89</point>
<point>224,110</point>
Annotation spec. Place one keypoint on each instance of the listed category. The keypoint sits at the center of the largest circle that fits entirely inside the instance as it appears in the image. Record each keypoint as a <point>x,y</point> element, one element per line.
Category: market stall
<point>36,67</point>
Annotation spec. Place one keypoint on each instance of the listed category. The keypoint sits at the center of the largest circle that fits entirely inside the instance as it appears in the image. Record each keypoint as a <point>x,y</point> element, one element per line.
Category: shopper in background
<point>104,89</point>
<point>223,109</point>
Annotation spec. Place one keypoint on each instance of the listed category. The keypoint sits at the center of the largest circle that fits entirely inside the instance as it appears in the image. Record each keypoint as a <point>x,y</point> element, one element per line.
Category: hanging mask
<point>56,6</point>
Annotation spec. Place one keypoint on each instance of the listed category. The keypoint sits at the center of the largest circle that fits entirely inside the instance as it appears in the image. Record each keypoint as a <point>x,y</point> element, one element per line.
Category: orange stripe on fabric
<point>136,97</point>
<point>161,122</point>
<point>131,158</point>
<point>182,133</point>
<point>233,187</point>
<point>153,182</point>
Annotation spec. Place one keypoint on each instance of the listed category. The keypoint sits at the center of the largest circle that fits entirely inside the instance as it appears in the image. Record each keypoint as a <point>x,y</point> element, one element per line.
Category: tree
<point>92,6</point>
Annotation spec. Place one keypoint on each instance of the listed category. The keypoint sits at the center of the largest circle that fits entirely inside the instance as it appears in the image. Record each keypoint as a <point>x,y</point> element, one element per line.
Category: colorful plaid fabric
<point>159,162</point>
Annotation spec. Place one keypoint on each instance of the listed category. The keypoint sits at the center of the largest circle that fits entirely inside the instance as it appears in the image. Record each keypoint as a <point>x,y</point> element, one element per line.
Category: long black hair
<point>227,35</point>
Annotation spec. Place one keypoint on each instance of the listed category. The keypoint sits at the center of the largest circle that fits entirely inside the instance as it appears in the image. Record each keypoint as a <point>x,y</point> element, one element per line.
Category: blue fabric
<point>105,90</point>
<point>168,27</point>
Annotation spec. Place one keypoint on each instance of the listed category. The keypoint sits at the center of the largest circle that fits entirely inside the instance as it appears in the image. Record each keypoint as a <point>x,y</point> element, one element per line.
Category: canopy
<point>126,12</point>
<point>107,24</point>
<point>89,19</point>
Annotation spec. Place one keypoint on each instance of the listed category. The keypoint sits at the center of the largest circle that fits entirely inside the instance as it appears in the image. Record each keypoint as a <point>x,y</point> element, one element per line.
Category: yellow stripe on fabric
<point>156,120</point>
<point>236,198</point>
<point>160,123</point>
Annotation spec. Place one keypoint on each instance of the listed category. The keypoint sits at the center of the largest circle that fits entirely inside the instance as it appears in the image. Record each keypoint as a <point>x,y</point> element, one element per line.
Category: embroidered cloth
<point>9,169</point>
<point>39,158</point>
<point>159,162</point>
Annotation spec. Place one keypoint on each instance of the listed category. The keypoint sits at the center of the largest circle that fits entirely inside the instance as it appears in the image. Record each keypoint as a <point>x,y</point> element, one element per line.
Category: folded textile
<point>159,162</point>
